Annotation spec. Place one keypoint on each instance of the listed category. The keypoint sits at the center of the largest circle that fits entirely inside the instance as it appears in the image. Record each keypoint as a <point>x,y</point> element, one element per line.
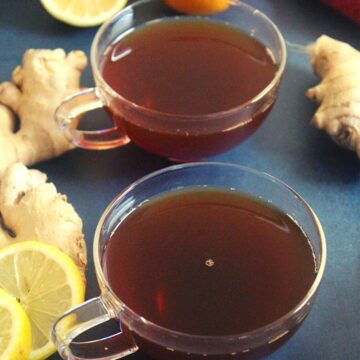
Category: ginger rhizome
<point>32,209</point>
<point>36,90</point>
<point>338,66</point>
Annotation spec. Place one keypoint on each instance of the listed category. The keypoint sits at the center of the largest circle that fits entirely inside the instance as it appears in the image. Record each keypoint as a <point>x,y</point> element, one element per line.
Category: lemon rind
<point>83,21</point>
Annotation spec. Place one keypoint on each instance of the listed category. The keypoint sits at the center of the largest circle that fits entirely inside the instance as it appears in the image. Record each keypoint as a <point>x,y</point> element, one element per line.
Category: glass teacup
<point>178,136</point>
<point>164,343</point>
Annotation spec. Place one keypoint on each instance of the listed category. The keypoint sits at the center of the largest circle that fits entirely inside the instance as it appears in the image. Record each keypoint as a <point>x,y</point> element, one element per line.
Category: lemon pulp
<point>46,282</point>
<point>83,12</point>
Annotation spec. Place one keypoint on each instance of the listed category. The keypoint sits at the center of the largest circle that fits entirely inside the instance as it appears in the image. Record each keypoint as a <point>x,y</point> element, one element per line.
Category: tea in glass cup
<point>206,259</point>
<point>184,87</point>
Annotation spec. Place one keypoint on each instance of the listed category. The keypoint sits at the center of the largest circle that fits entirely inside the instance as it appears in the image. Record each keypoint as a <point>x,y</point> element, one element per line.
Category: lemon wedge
<point>83,13</point>
<point>46,282</point>
<point>15,331</point>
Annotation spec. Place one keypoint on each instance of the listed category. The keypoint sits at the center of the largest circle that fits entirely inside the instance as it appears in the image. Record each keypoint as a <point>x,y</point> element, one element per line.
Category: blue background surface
<point>286,146</point>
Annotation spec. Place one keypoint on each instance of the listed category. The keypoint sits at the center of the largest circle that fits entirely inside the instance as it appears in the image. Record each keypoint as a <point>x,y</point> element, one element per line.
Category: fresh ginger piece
<point>338,65</point>
<point>36,90</point>
<point>32,209</point>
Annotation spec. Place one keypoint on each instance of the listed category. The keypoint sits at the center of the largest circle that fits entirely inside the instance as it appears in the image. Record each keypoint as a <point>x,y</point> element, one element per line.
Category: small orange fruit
<point>199,7</point>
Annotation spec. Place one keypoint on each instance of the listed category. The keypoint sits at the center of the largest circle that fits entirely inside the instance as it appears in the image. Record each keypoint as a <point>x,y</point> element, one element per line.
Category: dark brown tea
<point>187,68</point>
<point>209,262</point>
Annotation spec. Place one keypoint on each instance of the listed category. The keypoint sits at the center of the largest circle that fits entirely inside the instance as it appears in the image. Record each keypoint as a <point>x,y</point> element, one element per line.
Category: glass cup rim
<point>206,116</point>
<point>268,328</point>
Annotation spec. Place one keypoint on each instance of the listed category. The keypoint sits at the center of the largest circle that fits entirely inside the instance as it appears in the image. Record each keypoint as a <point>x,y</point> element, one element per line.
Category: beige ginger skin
<point>37,88</point>
<point>338,66</point>
<point>32,209</point>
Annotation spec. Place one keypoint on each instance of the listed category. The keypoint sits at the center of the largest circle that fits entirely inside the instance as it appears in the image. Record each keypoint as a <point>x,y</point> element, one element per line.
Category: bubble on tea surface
<point>209,263</point>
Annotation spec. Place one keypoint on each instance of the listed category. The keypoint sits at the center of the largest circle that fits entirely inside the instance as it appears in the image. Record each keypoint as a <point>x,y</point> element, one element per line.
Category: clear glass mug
<point>189,138</point>
<point>166,344</point>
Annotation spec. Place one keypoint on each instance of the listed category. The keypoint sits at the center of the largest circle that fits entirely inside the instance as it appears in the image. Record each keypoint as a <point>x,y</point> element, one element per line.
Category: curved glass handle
<point>82,318</point>
<point>68,116</point>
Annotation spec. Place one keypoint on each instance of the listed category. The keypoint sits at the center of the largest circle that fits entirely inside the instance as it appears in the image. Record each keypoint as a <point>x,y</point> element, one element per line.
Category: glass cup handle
<point>68,116</point>
<point>82,318</point>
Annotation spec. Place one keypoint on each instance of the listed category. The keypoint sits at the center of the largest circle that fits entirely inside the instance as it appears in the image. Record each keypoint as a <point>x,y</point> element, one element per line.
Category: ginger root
<point>338,65</point>
<point>32,209</point>
<point>36,90</point>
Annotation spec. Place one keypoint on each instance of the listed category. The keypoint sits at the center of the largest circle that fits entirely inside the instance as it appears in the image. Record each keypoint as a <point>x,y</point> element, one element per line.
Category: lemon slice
<point>46,282</point>
<point>83,12</point>
<point>15,331</point>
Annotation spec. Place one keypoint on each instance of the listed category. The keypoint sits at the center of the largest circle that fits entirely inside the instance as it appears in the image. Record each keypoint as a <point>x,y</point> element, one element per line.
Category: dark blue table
<point>286,146</point>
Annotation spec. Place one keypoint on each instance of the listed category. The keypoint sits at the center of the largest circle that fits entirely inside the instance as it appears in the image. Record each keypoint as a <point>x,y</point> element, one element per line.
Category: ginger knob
<point>338,93</point>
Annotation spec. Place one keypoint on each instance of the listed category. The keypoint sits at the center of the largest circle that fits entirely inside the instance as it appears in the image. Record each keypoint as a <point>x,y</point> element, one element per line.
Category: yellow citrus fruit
<point>83,12</point>
<point>15,330</point>
<point>46,282</point>
<point>199,7</point>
